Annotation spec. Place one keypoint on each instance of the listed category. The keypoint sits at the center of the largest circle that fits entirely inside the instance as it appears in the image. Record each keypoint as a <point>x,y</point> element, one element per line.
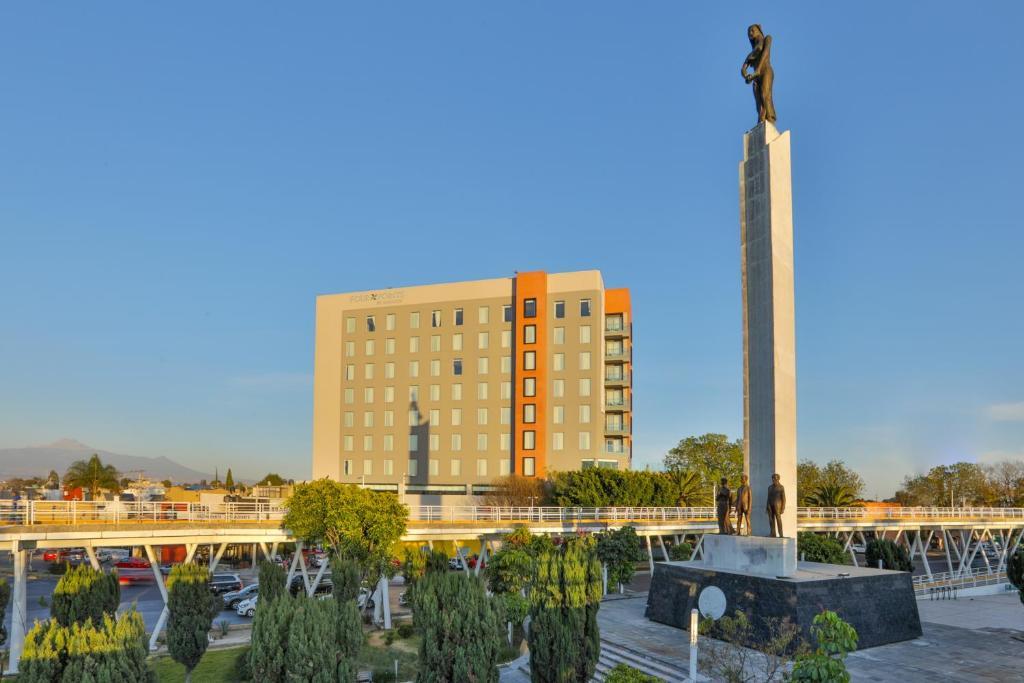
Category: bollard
<point>693,645</point>
<point>879,564</point>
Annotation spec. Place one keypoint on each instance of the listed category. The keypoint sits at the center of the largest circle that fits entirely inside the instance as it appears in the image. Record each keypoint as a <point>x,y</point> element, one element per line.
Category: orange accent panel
<point>533,285</point>
<point>618,301</point>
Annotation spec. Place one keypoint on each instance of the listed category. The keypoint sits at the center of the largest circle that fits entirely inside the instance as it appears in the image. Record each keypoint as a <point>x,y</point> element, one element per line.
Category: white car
<point>112,554</point>
<point>247,608</point>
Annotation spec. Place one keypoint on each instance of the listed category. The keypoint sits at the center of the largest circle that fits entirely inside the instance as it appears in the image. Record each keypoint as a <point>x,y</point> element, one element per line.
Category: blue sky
<point>180,181</point>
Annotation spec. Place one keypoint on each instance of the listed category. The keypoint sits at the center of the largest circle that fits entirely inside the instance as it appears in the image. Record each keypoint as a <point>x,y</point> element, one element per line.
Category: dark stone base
<point>879,604</point>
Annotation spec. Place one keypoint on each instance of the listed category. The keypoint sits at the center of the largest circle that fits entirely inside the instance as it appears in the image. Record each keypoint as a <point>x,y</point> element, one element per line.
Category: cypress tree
<point>229,481</point>
<point>310,654</point>
<point>85,593</point>
<point>271,580</point>
<point>345,578</point>
<point>5,597</point>
<point>269,638</point>
<point>192,608</point>
<point>461,628</point>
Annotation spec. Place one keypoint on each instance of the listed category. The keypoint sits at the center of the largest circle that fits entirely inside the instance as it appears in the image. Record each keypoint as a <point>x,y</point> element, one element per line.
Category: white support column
<point>984,555</point>
<point>968,560</point>
<point>698,548</point>
<point>664,550</point>
<point>294,564</point>
<point>165,612</point>
<point>303,571</point>
<point>215,560</point>
<point>311,589</point>
<point>1010,550</point>
<point>462,559</point>
<point>265,549</point>
<point>273,550</point>
<point>19,608</point>
<point>483,557</point>
<point>91,552</point>
<point>384,589</point>
<point>650,553</point>
<point>923,547</point>
<point>190,551</point>
<point>949,559</point>
<point>604,579</point>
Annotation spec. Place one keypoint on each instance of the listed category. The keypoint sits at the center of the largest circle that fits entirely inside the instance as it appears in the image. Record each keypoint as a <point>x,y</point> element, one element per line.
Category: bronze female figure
<point>762,75</point>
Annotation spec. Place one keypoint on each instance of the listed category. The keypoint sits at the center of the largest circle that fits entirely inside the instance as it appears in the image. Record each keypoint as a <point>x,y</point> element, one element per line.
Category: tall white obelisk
<point>769,337</point>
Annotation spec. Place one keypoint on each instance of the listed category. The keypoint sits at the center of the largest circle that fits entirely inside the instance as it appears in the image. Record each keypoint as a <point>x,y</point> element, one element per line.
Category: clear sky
<point>178,181</point>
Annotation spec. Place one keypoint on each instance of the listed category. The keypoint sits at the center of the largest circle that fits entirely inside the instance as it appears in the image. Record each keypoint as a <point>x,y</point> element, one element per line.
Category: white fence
<point>940,584</point>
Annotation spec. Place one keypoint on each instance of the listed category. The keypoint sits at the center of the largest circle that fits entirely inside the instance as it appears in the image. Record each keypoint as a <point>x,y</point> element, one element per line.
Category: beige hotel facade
<point>438,390</point>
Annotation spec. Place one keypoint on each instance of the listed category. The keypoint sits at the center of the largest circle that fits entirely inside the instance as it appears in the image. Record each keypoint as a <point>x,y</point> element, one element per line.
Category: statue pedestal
<point>757,555</point>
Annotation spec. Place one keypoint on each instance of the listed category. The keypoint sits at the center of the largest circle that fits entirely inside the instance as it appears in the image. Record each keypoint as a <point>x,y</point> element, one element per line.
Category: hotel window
<point>350,348</point>
<point>414,344</point>
<point>456,392</point>
<point>558,441</point>
<point>506,390</point>
<point>584,415</point>
<point>529,440</point>
<point>481,467</point>
<point>456,417</point>
<point>367,443</point>
<point>368,395</point>
<point>615,397</point>
<point>559,335</point>
<point>368,418</point>
<point>435,368</point>
<point>414,368</point>
<point>435,342</point>
<point>529,308</point>
<point>506,338</point>
<point>505,441</point>
<point>483,315</point>
<point>347,442</point>
<point>585,386</point>
<point>457,342</point>
<point>435,318</point>
<point>529,386</point>
<point>348,467</point>
<point>414,417</point>
<point>458,316</point>
<point>389,371</point>
<point>368,371</point>
<point>529,467</point>
<point>414,320</point>
<point>530,334</point>
<point>558,388</point>
<point>506,415</point>
<point>584,334</point>
<point>456,467</point>
<point>389,443</point>
<point>433,467</point>
<point>457,366</point>
<point>389,467</point>
<point>585,308</point>
<point>350,395</point>
<point>350,418</point>
<point>481,391</point>
<point>613,347</point>
<point>504,468</point>
<point>434,443</point>
<point>414,445</point>
<point>350,372</point>
<point>389,321</point>
<point>481,416</point>
<point>529,360</point>
<point>350,325</point>
<point>482,365</point>
<point>371,324</point>
<point>435,392</point>
<point>435,417</point>
<point>414,467</point>
<point>584,441</point>
<point>414,392</point>
<point>558,362</point>
<point>506,364</point>
<point>389,346</point>
<point>456,442</point>
<point>483,340</point>
<point>481,442</point>
<point>371,346</point>
<point>559,309</point>
<point>389,418</point>
<point>613,322</point>
<point>558,415</point>
<point>584,360</point>
<point>506,313</point>
<point>529,413</point>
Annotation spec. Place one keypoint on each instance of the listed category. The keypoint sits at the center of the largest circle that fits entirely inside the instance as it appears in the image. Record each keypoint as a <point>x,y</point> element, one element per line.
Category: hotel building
<point>440,389</point>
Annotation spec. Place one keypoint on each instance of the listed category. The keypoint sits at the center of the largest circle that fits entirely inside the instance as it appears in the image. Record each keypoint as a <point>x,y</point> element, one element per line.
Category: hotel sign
<point>389,296</point>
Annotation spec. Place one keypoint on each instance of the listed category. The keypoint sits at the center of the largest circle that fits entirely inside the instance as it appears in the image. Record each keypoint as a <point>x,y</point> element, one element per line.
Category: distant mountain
<point>37,461</point>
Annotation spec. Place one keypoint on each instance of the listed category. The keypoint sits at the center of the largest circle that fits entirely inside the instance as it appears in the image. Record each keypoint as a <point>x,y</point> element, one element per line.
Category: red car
<point>133,570</point>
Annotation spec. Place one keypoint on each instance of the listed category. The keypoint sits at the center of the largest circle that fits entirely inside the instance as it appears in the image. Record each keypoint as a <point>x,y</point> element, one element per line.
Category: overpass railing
<point>969,578</point>
<point>78,512</point>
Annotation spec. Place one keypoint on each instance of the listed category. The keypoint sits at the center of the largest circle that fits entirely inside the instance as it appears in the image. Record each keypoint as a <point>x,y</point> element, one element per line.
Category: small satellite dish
<point>711,602</point>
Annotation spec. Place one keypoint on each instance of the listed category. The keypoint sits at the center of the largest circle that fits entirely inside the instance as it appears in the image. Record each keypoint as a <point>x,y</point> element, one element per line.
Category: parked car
<point>455,563</point>
<point>225,583</point>
<point>364,600</point>
<point>403,598</point>
<point>232,598</point>
<point>247,608</point>
<point>112,554</point>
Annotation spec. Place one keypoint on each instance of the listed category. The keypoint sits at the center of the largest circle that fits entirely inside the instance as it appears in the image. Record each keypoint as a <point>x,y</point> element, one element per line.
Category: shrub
<point>192,607</point>
<point>835,638</point>
<point>406,630</point>
<point>815,548</point>
<point>242,670</point>
<point>740,656</point>
<point>271,579</point>
<point>680,552</point>
<point>5,597</point>
<point>619,550</point>
<point>627,674</point>
<point>1015,571</point>
<point>85,593</point>
<point>892,556</point>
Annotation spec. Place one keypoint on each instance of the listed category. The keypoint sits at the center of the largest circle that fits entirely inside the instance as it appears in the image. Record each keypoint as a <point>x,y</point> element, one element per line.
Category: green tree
<point>348,631</point>
<point>167,483</point>
<point>5,598</point>
<point>680,552</point>
<point>601,487</point>
<point>831,496</point>
<point>835,638</point>
<point>192,607</point>
<point>815,548</point>
<point>229,481</point>
<point>564,599</point>
<point>272,479</point>
<point>84,593</point>
<point>893,556</point>
<point>92,475</point>
<point>962,483</point>
<point>812,478</point>
<point>312,636</point>
<point>460,628</point>
<point>53,480</point>
<point>711,456</point>
<point>619,550</point>
<point>269,639</point>
<point>361,524</point>
<point>271,580</point>
<point>1006,483</point>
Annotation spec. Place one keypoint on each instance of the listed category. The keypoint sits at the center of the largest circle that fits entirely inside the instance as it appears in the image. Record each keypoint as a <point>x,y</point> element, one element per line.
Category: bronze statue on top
<point>762,75</point>
<point>743,505</point>
<point>723,505</point>
<point>776,506</point>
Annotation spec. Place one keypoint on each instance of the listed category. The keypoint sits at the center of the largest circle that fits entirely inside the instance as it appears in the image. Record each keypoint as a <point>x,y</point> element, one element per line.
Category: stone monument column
<point>769,337</point>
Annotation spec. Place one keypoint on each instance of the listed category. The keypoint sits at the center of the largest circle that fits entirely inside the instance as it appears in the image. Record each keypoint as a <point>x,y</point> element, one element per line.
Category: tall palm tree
<point>92,475</point>
<point>690,488</point>
<point>832,496</point>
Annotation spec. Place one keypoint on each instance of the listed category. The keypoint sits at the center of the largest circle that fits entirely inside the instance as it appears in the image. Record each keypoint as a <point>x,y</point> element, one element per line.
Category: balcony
<point>616,355</point>
<point>617,405</point>
<point>617,429</point>
<point>617,379</point>
<point>614,329</point>
<point>620,451</point>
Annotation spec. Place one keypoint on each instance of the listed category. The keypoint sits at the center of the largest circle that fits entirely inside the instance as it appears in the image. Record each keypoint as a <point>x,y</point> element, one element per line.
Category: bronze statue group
<point>725,503</point>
